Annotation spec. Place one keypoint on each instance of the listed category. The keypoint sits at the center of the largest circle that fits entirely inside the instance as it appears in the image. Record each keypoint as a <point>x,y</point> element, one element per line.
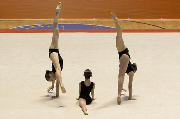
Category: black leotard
<point>60,59</point>
<point>85,91</point>
<point>130,67</point>
<point>126,51</point>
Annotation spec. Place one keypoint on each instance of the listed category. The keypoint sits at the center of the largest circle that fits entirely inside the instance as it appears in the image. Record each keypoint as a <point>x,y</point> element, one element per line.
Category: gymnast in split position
<point>55,57</point>
<point>125,64</point>
<point>85,87</point>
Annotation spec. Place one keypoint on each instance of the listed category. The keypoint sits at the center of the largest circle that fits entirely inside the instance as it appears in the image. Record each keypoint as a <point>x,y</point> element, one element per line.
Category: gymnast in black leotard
<point>85,87</point>
<point>85,91</point>
<point>55,57</point>
<point>124,59</point>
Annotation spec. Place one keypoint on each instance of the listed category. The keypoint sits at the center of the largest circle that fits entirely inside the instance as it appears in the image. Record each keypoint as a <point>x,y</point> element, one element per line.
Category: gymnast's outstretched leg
<point>82,104</point>
<point>119,40</point>
<point>55,37</point>
<point>124,59</point>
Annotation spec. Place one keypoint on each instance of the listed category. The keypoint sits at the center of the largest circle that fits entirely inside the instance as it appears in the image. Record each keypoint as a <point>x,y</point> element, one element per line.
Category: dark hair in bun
<point>47,75</point>
<point>134,66</point>
<point>87,74</point>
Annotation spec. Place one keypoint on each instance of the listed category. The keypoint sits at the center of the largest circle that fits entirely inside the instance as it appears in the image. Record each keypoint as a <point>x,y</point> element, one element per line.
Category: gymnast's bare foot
<point>85,111</point>
<point>59,6</point>
<point>115,19</point>
<point>118,99</point>
<point>63,89</point>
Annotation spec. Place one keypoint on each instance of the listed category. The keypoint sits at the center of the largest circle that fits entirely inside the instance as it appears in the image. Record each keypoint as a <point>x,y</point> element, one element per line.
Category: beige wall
<point>88,9</point>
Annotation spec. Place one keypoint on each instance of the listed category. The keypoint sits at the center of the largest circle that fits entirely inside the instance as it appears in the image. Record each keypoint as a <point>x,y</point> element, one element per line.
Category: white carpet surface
<point>24,60</point>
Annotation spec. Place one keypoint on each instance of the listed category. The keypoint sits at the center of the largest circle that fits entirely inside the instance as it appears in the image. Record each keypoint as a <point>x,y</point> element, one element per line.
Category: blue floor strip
<point>64,26</point>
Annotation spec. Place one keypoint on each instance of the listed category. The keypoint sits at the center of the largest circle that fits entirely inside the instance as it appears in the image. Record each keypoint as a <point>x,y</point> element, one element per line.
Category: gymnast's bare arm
<point>131,75</point>
<point>79,90</point>
<point>92,92</point>
<point>51,87</point>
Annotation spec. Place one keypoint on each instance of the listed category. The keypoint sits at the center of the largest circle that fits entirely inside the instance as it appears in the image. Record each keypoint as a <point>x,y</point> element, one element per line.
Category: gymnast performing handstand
<point>124,59</point>
<point>55,57</point>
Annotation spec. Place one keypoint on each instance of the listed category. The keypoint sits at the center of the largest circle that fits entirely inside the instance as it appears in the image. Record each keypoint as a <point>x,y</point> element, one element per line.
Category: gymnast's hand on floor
<point>77,98</point>
<point>54,97</point>
<point>50,88</point>
<point>124,90</point>
<point>94,98</point>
